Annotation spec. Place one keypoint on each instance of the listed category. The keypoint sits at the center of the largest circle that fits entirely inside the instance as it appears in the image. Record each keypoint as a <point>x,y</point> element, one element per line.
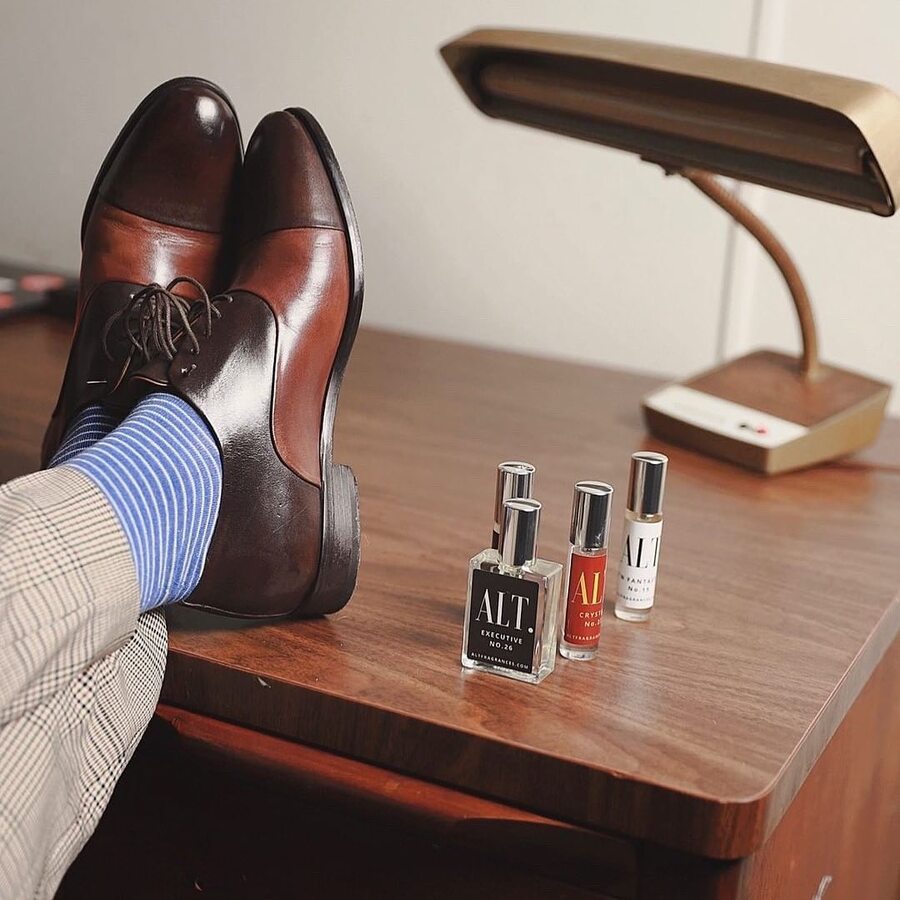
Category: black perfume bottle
<point>514,479</point>
<point>513,601</point>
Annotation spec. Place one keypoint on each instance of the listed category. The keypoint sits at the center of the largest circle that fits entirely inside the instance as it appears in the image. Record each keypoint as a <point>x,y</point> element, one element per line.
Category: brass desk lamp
<point>696,115</point>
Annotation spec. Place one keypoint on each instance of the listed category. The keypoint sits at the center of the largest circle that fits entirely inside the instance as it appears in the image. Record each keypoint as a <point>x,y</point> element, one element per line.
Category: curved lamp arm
<point>744,216</point>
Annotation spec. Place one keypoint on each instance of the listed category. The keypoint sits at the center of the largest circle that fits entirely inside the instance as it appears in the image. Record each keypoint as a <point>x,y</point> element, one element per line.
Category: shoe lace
<point>157,319</point>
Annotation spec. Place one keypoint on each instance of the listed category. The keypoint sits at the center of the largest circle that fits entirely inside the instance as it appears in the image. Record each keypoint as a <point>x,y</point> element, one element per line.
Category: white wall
<point>850,260</point>
<point>473,229</point>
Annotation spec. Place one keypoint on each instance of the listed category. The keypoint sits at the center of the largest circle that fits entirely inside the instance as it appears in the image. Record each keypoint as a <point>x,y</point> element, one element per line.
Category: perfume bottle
<point>514,479</point>
<point>513,601</point>
<point>586,578</point>
<point>643,530</point>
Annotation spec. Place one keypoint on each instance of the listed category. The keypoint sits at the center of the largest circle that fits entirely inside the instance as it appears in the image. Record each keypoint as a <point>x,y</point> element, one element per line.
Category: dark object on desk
<point>697,114</point>
<point>30,289</point>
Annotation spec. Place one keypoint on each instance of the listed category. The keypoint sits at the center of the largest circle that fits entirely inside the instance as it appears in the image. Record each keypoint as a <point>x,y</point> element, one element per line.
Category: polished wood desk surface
<point>776,600</point>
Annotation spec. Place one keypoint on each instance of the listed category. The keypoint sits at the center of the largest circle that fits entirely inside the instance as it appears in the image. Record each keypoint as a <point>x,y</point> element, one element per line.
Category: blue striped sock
<point>161,472</point>
<point>88,426</point>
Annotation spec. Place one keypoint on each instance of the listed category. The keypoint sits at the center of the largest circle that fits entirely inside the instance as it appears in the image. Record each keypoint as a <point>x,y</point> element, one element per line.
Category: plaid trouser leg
<point>79,672</point>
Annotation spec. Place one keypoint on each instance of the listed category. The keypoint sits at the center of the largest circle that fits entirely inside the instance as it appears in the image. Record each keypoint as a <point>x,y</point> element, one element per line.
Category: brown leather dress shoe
<point>158,209</point>
<point>263,365</point>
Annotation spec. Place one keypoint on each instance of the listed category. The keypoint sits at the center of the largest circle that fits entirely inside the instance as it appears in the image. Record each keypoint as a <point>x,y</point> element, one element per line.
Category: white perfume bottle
<point>636,584</point>
<point>513,601</point>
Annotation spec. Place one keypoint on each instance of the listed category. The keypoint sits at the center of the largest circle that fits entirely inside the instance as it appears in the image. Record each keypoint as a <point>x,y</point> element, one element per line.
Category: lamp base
<point>757,411</point>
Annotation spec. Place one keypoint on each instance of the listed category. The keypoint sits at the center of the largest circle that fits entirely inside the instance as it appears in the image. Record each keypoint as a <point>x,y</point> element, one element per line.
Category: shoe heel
<point>339,562</point>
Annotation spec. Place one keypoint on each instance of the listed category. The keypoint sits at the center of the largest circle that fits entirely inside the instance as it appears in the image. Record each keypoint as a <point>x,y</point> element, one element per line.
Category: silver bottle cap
<point>519,523</point>
<point>514,479</point>
<point>591,506</point>
<point>647,483</point>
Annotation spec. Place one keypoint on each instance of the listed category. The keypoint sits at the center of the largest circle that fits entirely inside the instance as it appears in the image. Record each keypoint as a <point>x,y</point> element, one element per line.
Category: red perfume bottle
<point>586,576</point>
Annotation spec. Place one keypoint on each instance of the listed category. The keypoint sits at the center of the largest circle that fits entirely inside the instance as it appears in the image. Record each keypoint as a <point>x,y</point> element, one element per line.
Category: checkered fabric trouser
<point>80,672</point>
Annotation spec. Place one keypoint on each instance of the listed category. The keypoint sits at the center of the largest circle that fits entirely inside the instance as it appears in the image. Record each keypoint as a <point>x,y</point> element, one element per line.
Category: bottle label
<point>503,614</point>
<point>637,571</point>
<point>584,599</point>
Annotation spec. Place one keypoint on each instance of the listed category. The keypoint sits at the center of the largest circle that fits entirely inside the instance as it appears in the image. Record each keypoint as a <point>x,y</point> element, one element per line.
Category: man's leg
<point>78,684</point>
<point>121,528</point>
<point>118,529</point>
<point>68,587</point>
<point>62,759</point>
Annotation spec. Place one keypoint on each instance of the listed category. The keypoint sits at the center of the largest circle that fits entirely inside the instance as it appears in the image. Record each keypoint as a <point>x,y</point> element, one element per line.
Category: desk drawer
<point>515,839</point>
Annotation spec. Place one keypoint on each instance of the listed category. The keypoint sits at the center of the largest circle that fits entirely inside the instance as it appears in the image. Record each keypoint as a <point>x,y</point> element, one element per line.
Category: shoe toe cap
<point>284,183</point>
<point>178,162</point>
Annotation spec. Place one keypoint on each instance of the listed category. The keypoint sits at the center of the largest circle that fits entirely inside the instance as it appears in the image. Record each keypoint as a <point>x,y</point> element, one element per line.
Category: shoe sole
<point>339,556</point>
<point>128,127</point>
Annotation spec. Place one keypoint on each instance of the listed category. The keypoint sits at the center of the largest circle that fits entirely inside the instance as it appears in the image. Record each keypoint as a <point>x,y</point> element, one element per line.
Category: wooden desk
<point>740,744</point>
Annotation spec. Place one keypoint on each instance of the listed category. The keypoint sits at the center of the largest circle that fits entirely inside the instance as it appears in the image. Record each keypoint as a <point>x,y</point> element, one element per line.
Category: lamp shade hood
<point>810,133</point>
